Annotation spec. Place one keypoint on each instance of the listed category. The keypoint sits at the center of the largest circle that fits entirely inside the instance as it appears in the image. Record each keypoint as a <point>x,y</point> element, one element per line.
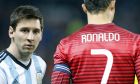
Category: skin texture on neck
<point>19,56</point>
<point>98,18</point>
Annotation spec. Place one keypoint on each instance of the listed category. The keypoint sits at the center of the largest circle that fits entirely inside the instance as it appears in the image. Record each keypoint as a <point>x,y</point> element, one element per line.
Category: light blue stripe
<point>28,76</point>
<point>37,65</point>
<point>12,68</point>
<point>2,56</point>
<point>62,68</point>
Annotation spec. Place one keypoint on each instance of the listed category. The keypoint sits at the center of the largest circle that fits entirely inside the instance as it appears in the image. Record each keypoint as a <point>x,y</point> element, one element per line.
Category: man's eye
<point>24,30</point>
<point>36,31</point>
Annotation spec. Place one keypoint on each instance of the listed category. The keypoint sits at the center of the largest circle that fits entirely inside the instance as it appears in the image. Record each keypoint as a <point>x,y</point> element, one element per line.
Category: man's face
<point>27,35</point>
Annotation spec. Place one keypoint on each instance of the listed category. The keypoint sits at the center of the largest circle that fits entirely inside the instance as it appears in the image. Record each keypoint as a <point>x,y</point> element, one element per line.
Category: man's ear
<point>11,32</point>
<point>84,8</point>
<point>112,5</point>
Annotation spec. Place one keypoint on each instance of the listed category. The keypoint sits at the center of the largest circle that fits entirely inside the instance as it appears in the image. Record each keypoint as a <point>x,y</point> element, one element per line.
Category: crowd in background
<point>62,17</point>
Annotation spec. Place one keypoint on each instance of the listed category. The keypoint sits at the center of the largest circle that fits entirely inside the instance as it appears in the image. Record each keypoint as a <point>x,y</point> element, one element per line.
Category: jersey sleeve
<point>60,54</point>
<point>2,77</point>
<point>137,63</point>
<point>61,72</point>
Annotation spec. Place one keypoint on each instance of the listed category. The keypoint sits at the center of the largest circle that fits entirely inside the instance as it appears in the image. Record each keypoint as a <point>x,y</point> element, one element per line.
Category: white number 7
<point>108,64</point>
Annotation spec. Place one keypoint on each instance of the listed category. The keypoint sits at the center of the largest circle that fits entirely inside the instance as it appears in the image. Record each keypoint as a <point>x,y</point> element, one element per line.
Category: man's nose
<point>30,36</point>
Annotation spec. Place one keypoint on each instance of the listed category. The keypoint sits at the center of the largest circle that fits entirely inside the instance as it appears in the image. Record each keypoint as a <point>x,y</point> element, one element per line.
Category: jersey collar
<point>18,62</point>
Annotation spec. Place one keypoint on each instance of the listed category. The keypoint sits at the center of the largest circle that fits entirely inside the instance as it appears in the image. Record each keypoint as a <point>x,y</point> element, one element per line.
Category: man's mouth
<point>29,46</point>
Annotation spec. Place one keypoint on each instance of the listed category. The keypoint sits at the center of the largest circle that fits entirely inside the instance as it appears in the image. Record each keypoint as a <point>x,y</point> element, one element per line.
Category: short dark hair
<point>96,5</point>
<point>25,12</point>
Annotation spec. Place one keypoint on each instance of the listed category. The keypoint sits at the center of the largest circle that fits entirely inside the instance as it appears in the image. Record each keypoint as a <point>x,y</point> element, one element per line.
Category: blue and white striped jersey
<point>13,71</point>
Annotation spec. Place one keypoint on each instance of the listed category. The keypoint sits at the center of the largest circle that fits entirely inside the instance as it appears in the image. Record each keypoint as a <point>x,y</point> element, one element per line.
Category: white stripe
<point>33,73</point>
<point>38,69</point>
<point>13,69</point>
<point>3,75</point>
<point>42,63</point>
<point>20,71</point>
<point>7,70</point>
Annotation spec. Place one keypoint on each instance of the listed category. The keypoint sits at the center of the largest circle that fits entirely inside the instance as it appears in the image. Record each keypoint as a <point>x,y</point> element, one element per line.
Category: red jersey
<point>98,54</point>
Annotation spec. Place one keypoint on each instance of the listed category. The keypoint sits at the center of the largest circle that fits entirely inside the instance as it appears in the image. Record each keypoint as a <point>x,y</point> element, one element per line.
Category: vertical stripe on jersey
<point>3,73</point>
<point>39,75</point>
<point>37,65</point>
<point>12,68</point>
<point>28,76</point>
<point>33,71</point>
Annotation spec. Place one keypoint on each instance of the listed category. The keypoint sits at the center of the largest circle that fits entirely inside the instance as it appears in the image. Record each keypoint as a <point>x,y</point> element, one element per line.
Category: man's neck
<point>19,56</point>
<point>98,19</point>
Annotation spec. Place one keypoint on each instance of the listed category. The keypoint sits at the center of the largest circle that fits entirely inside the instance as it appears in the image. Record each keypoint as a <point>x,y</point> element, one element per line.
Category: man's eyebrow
<point>24,27</point>
<point>29,28</point>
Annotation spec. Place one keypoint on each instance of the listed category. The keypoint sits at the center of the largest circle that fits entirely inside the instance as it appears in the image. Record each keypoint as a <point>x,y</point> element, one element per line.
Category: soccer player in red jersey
<point>100,53</point>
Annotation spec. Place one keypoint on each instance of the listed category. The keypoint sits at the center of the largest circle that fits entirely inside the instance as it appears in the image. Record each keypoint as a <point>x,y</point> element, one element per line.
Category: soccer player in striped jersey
<point>18,64</point>
<point>100,53</point>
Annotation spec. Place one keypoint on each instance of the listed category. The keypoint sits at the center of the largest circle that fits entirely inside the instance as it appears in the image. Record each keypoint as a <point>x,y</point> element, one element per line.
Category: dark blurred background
<point>62,17</point>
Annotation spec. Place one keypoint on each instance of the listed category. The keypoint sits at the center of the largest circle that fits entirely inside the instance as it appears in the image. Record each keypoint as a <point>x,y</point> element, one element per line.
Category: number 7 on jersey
<point>108,64</point>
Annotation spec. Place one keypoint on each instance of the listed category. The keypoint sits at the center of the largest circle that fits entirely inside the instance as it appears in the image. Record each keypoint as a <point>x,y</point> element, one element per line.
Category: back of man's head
<point>96,5</point>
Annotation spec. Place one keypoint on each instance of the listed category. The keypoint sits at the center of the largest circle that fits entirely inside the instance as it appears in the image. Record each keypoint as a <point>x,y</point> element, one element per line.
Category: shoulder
<point>41,62</point>
<point>3,67</point>
<point>124,31</point>
<point>3,55</point>
<point>127,34</point>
